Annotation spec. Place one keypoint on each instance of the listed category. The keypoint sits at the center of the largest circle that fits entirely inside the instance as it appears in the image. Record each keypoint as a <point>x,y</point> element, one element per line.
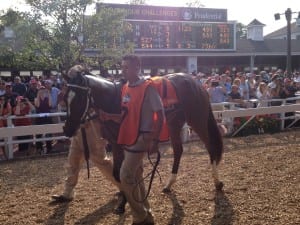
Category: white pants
<point>132,178</point>
<point>97,156</point>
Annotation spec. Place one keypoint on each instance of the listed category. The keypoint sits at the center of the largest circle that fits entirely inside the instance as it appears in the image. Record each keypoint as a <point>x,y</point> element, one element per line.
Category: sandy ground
<point>260,173</point>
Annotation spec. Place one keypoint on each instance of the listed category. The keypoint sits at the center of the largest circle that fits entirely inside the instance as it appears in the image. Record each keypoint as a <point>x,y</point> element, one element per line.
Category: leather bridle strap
<point>86,149</point>
<point>89,100</point>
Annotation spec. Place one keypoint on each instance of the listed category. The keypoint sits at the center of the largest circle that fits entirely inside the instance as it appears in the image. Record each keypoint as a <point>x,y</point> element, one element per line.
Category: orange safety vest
<point>132,100</point>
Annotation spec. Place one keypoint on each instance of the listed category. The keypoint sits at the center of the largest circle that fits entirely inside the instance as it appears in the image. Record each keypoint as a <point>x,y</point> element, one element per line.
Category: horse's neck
<point>107,96</point>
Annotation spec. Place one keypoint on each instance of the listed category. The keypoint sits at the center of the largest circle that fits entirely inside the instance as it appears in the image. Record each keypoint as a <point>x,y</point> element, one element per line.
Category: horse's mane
<point>106,93</point>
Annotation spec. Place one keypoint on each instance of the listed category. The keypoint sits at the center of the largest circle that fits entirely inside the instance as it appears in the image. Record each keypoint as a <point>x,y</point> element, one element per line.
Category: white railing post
<point>10,146</point>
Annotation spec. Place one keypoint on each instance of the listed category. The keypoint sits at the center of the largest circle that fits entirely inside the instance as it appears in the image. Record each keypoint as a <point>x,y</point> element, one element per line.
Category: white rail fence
<point>8,134</point>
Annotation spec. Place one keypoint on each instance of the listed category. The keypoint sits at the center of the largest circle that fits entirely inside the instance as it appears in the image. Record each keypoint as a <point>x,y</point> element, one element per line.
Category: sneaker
<point>61,198</point>
<point>120,209</point>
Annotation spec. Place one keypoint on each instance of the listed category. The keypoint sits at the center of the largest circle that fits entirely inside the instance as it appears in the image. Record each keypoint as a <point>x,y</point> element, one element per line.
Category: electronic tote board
<point>178,28</point>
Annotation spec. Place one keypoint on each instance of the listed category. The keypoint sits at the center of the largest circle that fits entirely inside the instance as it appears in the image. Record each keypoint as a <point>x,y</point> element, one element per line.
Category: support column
<point>252,60</point>
<point>191,64</point>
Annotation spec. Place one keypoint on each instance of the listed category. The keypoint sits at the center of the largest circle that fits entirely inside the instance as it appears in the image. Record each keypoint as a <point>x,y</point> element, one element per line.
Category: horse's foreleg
<point>177,151</point>
<point>118,157</point>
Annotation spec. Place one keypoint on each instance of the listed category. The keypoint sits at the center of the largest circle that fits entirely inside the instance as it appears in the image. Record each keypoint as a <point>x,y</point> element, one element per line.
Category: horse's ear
<point>75,71</point>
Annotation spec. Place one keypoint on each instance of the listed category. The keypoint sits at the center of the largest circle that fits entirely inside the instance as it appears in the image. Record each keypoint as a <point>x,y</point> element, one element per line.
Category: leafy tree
<point>62,22</point>
<point>15,25</point>
<point>107,33</point>
<point>241,31</point>
<point>57,32</point>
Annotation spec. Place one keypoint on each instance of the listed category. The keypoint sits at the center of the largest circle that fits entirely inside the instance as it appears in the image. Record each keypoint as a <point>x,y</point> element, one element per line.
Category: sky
<point>237,10</point>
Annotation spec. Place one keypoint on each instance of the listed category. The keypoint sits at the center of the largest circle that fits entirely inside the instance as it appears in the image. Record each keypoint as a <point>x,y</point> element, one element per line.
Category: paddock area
<point>260,173</point>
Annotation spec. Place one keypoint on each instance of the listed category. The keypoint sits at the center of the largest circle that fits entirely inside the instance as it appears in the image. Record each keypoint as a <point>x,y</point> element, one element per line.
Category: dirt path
<point>260,173</point>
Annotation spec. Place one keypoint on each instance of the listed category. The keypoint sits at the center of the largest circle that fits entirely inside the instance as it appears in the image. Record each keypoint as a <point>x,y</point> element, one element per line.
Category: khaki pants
<point>97,156</point>
<point>131,175</point>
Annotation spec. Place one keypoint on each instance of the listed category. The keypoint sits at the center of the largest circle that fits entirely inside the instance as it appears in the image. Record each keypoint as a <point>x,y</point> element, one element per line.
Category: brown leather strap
<point>86,150</point>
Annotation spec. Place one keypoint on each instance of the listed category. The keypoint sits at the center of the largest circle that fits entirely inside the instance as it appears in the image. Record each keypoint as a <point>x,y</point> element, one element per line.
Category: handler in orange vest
<point>139,133</point>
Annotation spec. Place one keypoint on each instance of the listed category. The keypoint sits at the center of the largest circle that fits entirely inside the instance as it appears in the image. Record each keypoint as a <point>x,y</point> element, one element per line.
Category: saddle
<point>166,91</point>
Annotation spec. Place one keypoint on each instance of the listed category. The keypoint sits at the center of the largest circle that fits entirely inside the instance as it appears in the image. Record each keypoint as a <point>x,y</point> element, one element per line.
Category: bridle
<point>87,115</point>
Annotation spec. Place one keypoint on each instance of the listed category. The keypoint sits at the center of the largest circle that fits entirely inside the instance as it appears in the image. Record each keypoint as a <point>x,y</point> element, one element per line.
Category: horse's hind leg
<point>218,184</point>
<point>213,146</point>
<point>175,126</point>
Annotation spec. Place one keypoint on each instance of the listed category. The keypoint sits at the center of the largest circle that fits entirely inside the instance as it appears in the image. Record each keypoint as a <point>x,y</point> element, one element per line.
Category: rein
<point>86,116</point>
<point>86,150</point>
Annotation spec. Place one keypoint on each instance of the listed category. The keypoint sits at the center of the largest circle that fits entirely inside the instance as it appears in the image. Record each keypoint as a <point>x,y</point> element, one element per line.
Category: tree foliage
<point>56,33</point>
<point>241,31</point>
<point>62,21</point>
<point>107,32</point>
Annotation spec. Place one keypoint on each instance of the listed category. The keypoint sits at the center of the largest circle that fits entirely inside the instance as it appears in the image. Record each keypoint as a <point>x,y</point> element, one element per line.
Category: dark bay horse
<point>89,92</point>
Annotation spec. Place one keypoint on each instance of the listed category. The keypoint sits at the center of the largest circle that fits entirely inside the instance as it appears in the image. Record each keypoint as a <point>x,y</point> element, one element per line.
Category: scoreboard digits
<point>183,35</point>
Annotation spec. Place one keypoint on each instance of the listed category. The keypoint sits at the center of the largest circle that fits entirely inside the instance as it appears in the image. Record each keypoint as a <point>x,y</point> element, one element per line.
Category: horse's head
<point>77,100</point>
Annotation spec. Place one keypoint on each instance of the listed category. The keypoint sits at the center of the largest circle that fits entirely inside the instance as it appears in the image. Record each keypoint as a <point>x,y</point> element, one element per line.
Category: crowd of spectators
<point>36,95</point>
<point>45,94</point>
<point>241,87</point>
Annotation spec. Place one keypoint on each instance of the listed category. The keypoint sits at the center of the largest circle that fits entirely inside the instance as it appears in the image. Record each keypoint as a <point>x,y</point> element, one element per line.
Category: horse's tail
<point>215,140</point>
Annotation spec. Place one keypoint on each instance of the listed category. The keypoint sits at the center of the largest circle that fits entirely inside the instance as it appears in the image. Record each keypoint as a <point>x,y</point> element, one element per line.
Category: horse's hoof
<point>120,210</point>
<point>166,190</point>
<point>61,198</point>
<point>219,186</point>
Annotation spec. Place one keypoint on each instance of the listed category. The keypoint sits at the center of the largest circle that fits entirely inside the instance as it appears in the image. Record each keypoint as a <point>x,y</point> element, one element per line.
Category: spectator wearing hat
<point>264,76</point>
<point>23,107</point>
<point>217,93</point>
<point>18,86</point>
<point>235,96</point>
